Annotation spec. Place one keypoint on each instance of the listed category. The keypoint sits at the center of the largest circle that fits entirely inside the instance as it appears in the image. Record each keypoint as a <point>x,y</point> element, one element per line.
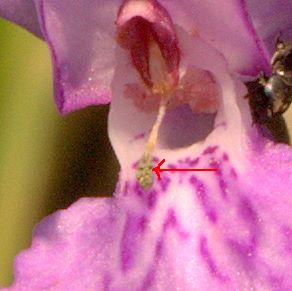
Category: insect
<point>271,96</point>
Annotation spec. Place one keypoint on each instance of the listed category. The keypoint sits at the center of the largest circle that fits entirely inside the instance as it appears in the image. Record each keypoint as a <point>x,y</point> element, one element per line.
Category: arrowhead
<point>157,169</point>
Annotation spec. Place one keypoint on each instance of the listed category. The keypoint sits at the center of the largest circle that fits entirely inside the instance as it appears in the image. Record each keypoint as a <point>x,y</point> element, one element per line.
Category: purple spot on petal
<point>247,212</point>
<point>185,161</point>
<point>151,199</point>
<point>200,189</point>
<point>246,251</point>
<point>214,164</point>
<point>106,282</point>
<point>138,190</point>
<point>129,242</point>
<point>148,198</point>
<point>225,157</point>
<point>156,160</point>
<point>223,186</point>
<point>139,136</point>
<point>164,183</point>
<point>135,165</point>
<point>171,222</point>
<point>194,162</point>
<point>170,219</point>
<point>212,215</point>
<point>126,189</point>
<point>201,195</point>
<point>193,181</point>
<point>191,162</point>
<point>207,257</point>
<point>210,150</point>
<point>159,248</point>
<point>172,166</point>
<point>143,223</point>
<point>221,181</point>
<point>245,246</point>
<point>149,279</point>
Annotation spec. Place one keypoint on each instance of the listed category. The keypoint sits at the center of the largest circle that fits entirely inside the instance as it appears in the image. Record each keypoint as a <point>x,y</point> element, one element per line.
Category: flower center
<point>146,30</point>
<point>163,87</point>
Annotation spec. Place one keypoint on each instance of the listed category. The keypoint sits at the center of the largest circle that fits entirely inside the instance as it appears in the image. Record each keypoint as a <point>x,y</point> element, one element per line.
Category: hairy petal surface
<point>23,13</point>
<point>194,232</point>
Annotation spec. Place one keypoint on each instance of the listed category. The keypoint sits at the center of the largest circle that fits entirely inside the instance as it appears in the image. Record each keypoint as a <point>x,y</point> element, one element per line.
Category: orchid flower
<point>187,60</point>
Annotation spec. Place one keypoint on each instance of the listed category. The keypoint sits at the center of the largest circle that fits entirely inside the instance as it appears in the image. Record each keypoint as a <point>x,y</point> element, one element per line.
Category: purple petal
<point>60,242</point>
<point>194,232</point>
<point>81,37</point>
<point>22,12</point>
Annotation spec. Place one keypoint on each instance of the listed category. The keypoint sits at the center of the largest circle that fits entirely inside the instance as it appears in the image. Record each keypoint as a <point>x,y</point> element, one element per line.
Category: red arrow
<point>158,170</point>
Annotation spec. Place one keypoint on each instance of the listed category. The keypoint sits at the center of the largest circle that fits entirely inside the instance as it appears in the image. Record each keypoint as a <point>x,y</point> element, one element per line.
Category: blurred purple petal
<point>81,37</point>
<point>271,19</point>
<point>22,12</point>
<point>224,25</point>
